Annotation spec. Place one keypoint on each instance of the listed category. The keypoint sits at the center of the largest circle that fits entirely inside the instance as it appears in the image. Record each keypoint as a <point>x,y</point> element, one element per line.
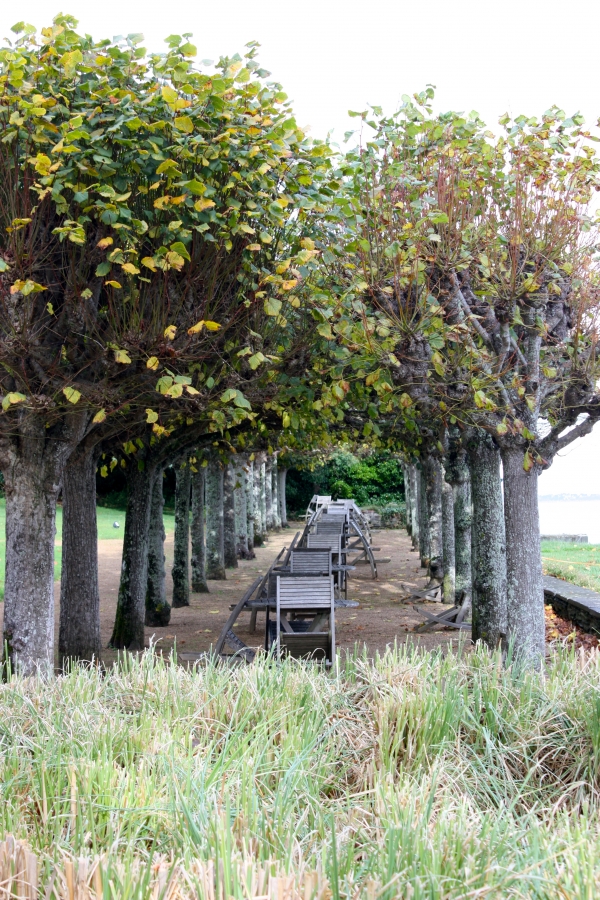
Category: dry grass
<point>420,775</point>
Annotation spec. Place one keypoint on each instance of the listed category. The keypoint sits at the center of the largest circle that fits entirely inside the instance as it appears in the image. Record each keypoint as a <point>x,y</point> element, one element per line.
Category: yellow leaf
<point>122,356</point>
<point>212,326</point>
<point>191,390</point>
<point>151,416</point>
<point>253,247</point>
<point>170,332</point>
<point>184,123</point>
<point>12,398</point>
<point>149,263</point>
<point>168,94</point>
<point>130,269</point>
<point>288,285</point>
<point>71,394</point>
<point>99,417</point>
<point>114,284</point>
<point>202,204</point>
<point>197,328</point>
<point>104,243</point>
<point>152,363</point>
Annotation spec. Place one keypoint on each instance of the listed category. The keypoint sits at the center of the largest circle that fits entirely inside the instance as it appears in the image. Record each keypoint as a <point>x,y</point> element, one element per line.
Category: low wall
<point>578,604</point>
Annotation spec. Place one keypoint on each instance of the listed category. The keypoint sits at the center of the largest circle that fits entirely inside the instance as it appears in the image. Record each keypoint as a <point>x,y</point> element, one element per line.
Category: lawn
<point>106,530</point>
<point>421,775</point>
<point>577,563</point>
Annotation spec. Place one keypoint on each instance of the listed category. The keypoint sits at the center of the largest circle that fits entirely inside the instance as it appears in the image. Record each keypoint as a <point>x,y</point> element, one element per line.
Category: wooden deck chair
<point>332,541</point>
<point>305,561</point>
<point>306,594</point>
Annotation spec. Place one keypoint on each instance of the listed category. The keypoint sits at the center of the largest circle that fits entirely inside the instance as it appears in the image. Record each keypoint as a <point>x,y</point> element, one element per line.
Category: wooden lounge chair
<point>298,638</point>
<point>306,561</point>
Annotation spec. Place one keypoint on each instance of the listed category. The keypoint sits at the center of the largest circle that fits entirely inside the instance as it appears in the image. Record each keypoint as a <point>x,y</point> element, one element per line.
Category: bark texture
<point>198,559</point>
<point>250,520</point>
<point>215,549</point>
<point>488,544</point>
<point>525,590</point>
<point>269,519</point>
<point>79,630</point>
<point>257,502</point>
<point>33,464</point>
<point>458,475</point>
<point>158,610</point>
<point>415,501</point>
<point>282,475</point>
<point>263,498</point>
<point>275,491</point>
<point>128,631</point>
<point>423,519</point>
<point>229,533</point>
<point>241,512</point>
<point>433,477</point>
<point>181,541</point>
<point>449,582</point>
<point>407,504</point>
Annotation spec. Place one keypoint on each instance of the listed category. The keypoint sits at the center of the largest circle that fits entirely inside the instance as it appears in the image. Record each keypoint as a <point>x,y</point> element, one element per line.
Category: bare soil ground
<point>381,618</point>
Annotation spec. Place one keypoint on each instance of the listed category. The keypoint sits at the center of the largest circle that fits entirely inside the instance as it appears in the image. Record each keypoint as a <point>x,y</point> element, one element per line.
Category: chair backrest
<point>310,562</point>
<point>305,592</point>
<point>331,541</point>
<point>330,528</point>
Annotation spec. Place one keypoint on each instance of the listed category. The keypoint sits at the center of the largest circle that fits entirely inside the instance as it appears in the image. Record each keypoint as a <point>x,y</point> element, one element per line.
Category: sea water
<point>571,517</point>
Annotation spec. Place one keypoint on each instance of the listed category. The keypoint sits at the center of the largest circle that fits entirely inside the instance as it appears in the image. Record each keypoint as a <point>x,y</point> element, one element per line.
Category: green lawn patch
<point>106,531</point>
<point>577,563</point>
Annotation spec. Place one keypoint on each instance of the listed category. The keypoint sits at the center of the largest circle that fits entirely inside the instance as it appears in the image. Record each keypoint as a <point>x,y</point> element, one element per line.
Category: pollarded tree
<point>140,201</point>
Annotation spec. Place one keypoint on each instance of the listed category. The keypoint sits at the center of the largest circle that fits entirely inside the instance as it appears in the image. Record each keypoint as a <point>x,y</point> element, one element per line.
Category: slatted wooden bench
<point>305,594</point>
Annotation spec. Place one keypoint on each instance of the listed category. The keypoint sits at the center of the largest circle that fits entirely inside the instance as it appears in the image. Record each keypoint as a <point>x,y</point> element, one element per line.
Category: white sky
<point>519,56</point>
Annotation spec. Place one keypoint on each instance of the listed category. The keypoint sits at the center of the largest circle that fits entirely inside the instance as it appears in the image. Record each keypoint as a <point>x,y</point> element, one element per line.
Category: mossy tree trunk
<point>269,519</point>
<point>128,631</point>
<point>198,559</point>
<point>458,475</point>
<point>229,533</point>
<point>525,587</point>
<point>433,476</point>
<point>215,547</point>
<point>423,519</point>
<point>158,610</point>
<point>275,491</point>
<point>181,542</point>
<point>241,512</point>
<point>449,582</point>
<point>282,498</point>
<point>79,632</point>
<point>250,520</point>
<point>488,543</point>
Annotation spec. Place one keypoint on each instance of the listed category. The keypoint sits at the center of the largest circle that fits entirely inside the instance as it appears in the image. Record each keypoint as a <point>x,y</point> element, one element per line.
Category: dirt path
<point>380,619</point>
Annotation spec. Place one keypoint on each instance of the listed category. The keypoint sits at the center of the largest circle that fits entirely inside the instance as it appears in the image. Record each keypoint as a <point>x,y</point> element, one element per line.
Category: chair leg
<point>253,620</point>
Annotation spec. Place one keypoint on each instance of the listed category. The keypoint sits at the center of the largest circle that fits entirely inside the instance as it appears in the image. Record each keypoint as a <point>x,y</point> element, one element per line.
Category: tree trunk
<point>198,560</point>
<point>275,490</point>
<point>250,520</point>
<point>79,632</point>
<point>263,498</point>
<point>181,541</point>
<point>229,535</point>
<point>423,519</point>
<point>525,589</point>
<point>241,512</point>
<point>408,514</point>
<point>269,520</point>
<point>215,548</point>
<point>415,502</point>
<point>257,504</point>
<point>33,462</point>
<point>29,574</point>
<point>457,474</point>
<point>282,500</point>
<point>449,582</point>
<point>128,631</point>
<point>488,544</point>
<point>158,611</point>
<point>433,475</point>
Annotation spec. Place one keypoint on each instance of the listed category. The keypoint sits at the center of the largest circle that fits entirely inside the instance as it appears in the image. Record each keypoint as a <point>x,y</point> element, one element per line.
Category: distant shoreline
<point>554,497</point>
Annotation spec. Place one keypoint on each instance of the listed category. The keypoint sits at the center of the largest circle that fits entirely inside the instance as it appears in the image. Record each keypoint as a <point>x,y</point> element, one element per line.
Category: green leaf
<point>13,398</point>
<point>256,360</point>
<point>3,265</point>
<point>272,306</point>
<point>180,248</point>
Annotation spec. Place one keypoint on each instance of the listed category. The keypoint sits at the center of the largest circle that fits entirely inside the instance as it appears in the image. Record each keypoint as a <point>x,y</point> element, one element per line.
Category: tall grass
<point>418,776</point>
